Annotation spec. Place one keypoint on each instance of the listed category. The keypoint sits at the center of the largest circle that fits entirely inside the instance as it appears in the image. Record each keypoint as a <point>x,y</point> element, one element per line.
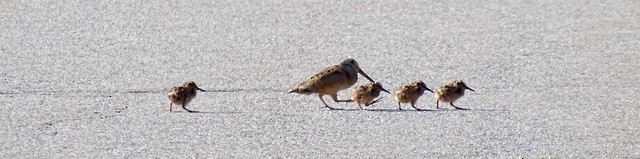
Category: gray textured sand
<point>86,79</point>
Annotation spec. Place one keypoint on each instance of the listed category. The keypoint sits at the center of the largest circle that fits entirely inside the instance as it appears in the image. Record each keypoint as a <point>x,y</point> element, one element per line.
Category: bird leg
<point>451,103</point>
<point>325,103</point>
<point>399,107</point>
<point>335,99</point>
<point>413,104</point>
<point>374,101</point>
<point>185,108</point>
<point>170,106</point>
<point>437,106</point>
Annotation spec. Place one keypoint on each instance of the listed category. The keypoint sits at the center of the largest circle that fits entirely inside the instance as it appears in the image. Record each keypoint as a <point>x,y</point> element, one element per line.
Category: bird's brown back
<point>329,80</point>
<point>410,92</point>
<point>365,93</point>
<point>182,94</point>
<point>449,92</point>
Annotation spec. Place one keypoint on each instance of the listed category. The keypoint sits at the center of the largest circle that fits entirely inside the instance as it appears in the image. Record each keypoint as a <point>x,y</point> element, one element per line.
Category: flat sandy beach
<point>85,79</point>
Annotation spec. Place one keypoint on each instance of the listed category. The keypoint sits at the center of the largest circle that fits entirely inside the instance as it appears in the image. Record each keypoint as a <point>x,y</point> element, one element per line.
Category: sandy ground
<point>83,79</point>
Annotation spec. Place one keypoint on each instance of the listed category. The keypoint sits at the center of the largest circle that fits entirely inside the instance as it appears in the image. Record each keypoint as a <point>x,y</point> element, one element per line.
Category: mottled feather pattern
<point>409,92</point>
<point>182,95</point>
<point>329,80</point>
<point>364,94</point>
<point>450,92</point>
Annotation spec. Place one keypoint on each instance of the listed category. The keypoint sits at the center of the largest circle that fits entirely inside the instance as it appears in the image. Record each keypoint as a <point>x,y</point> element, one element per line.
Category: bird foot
<point>332,108</point>
<point>425,110</point>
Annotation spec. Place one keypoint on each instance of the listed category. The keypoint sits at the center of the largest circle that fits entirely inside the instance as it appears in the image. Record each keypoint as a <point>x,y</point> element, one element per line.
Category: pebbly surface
<point>84,79</point>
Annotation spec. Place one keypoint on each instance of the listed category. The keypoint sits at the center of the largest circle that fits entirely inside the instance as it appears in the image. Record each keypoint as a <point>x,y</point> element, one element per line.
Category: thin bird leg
<point>413,104</point>
<point>170,106</point>
<point>451,103</point>
<point>335,98</point>
<point>359,106</point>
<point>399,107</point>
<point>185,108</point>
<point>437,102</point>
<point>325,103</point>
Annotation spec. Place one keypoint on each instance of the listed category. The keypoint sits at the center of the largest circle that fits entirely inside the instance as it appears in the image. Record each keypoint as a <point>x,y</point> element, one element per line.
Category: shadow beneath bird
<point>489,110</point>
<point>339,109</point>
<point>206,112</point>
<point>469,109</point>
<point>398,110</point>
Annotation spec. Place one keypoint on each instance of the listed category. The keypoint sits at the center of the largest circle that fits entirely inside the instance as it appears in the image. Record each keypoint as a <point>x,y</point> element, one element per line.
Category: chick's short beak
<point>385,90</point>
<point>469,88</point>
<point>429,90</point>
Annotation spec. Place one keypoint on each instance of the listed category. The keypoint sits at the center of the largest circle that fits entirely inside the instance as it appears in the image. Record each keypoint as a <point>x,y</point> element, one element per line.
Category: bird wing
<point>358,91</point>
<point>327,78</point>
<point>403,92</point>
<point>413,89</point>
<point>446,89</point>
<point>409,92</point>
<point>183,92</point>
<point>174,95</point>
<point>172,91</point>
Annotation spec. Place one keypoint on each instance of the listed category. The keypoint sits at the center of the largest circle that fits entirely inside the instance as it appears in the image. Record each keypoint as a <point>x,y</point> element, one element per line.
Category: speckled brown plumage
<point>451,92</point>
<point>365,94</point>
<point>410,93</point>
<point>331,80</point>
<point>182,95</point>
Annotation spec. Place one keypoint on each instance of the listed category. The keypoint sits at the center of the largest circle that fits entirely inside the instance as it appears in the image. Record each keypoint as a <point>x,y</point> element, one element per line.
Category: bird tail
<point>301,90</point>
<point>295,90</point>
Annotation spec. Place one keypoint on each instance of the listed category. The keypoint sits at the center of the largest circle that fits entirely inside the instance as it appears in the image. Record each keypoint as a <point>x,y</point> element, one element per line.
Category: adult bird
<point>330,80</point>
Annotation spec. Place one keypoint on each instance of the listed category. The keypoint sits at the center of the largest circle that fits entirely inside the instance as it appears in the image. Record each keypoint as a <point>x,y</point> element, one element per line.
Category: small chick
<point>182,95</point>
<point>451,92</point>
<point>332,79</point>
<point>410,93</point>
<point>365,94</point>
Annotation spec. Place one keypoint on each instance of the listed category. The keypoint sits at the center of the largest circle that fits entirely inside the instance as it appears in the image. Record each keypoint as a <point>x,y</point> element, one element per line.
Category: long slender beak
<point>200,89</point>
<point>385,90</point>
<point>469,88</point>
<point>429,90</point>
<point>365,75</point>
